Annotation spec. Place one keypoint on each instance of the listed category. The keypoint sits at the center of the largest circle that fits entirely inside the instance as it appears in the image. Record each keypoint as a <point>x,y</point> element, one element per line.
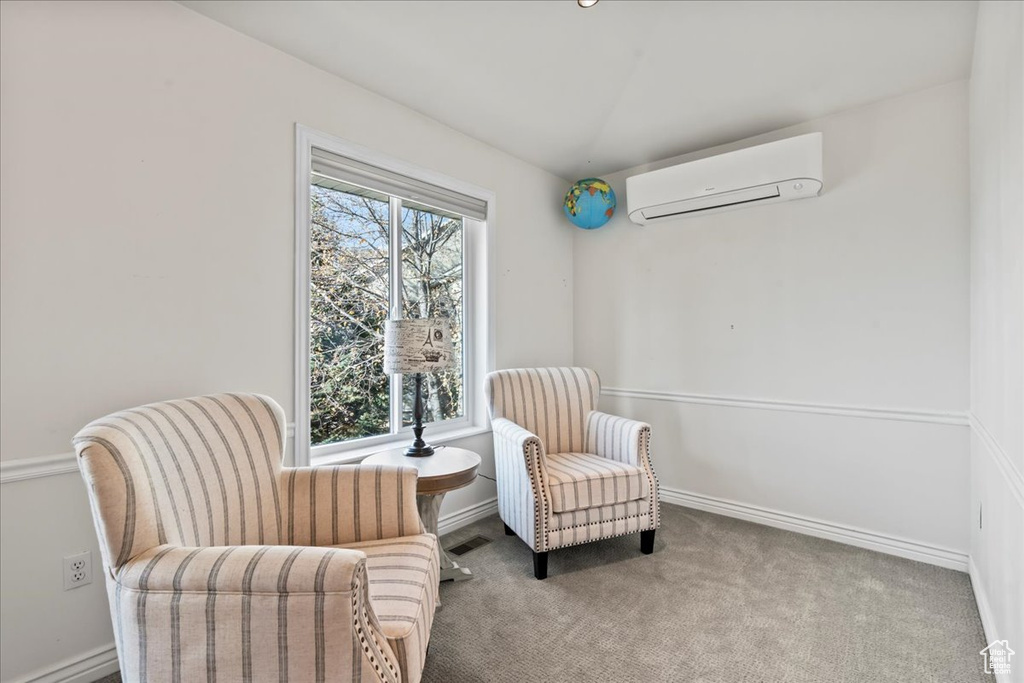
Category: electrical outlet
<point>77,570</point>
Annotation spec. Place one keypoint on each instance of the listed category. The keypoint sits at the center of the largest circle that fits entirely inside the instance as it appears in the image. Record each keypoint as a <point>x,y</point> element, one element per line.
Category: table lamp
<point>418,345</point>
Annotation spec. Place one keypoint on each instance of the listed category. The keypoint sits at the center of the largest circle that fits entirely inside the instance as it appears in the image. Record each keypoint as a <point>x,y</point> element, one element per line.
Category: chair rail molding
<point>954,418</point>
<point>33,468</point>
<point>21,469</point>
<point>1013,476</point>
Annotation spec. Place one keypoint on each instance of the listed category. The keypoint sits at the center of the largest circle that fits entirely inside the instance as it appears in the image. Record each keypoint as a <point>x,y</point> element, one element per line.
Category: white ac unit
<point>773,172</point>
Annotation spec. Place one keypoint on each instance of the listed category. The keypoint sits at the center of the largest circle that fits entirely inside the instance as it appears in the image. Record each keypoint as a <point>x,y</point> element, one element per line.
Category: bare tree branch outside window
<point>349,302</point>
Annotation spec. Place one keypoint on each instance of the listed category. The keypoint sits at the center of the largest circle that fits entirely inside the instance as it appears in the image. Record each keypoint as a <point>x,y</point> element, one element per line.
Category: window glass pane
<point>349,392</point>
<point>432,287</point>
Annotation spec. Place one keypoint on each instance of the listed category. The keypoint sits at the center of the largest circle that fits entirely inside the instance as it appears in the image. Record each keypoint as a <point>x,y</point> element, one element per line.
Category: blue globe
<point>589,203</point>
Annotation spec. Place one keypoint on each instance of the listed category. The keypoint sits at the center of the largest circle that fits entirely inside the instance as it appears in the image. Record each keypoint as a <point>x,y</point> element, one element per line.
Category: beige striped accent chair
<point>222,565</point>
<point>568,474</point>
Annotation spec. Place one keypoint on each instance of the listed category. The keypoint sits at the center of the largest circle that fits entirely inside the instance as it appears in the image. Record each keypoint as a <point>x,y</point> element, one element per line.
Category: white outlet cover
<point>77,570</point>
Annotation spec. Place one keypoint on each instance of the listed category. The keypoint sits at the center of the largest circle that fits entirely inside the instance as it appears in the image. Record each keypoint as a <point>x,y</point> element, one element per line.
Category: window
<point>378,239</point>
<point>351,295</point>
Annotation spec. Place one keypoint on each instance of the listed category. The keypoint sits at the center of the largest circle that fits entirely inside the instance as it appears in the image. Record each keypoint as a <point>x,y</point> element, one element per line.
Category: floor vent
<point>471,544</point>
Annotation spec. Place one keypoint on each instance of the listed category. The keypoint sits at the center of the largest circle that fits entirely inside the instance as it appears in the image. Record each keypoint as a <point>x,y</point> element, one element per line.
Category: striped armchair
<point>221,564</point>
<point>568,474</point>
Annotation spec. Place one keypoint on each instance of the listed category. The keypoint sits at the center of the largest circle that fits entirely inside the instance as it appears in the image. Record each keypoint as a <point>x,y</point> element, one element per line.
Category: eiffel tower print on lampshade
<point>418,345</point>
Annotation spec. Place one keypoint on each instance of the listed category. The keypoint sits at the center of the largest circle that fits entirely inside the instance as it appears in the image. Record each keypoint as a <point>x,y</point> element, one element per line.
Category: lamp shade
<point>418,345</point>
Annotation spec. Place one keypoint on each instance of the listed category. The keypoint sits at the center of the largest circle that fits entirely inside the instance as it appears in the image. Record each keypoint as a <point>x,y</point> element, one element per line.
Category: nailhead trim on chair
<point>540,501</point>
<point>603,521</point>
<point>557,402</point>
<point>645,452</point>
<point>360,616</point>
<point>601,538</point>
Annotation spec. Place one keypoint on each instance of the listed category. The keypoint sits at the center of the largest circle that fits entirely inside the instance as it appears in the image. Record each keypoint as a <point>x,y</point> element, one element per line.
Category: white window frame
<point>478,295</point>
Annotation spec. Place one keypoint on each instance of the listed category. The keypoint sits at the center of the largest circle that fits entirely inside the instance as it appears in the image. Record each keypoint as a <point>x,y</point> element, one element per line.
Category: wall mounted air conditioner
<point>774,172</point>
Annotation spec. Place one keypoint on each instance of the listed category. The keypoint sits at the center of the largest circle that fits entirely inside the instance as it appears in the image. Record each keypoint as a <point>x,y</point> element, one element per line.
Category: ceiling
<point>591,91</point>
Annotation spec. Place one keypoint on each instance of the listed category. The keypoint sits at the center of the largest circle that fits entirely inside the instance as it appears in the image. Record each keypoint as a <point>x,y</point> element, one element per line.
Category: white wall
<point>146,251</point>
<point>850,308</point>
<point>997,322</point>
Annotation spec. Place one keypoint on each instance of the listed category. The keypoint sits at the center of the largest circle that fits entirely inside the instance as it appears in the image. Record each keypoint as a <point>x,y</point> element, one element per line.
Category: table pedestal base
<point>429,507</point>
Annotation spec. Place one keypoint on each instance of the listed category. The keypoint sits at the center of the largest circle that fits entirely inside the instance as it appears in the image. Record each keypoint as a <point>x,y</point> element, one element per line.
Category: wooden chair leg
<point>508,531</point>
<point>540,566</point>
<point>647,541</point>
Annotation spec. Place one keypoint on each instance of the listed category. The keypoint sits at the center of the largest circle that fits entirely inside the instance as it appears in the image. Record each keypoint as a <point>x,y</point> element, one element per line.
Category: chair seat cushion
<point>583,480</point>
<point>404,574</point>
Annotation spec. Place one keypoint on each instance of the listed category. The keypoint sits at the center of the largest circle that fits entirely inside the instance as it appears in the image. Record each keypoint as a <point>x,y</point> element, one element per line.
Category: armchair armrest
<point>519,437</point>
<point>618,438</point>
<point>348,504</point>
<point>524,498</point>
<point>248,569</point>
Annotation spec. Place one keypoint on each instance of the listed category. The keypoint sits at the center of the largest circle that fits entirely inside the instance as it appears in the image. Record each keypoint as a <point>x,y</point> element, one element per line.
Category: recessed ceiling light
<point>586,3</point>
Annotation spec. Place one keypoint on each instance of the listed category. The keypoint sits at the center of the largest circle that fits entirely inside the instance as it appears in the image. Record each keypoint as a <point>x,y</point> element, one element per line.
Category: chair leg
<point>508,531</point>
<point>647,541</point>
<point>540,566</point>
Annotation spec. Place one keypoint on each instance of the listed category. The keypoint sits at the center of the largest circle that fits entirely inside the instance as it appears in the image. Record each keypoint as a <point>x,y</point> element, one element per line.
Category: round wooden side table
<point>446,470</point>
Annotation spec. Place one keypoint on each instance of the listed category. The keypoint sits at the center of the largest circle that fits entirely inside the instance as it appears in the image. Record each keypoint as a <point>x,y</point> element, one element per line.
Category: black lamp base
<point>415,451</point>
<point>419,447</point>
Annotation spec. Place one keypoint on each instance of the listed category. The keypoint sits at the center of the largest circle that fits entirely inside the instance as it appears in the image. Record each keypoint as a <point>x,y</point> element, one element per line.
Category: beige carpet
<point>720,600</point>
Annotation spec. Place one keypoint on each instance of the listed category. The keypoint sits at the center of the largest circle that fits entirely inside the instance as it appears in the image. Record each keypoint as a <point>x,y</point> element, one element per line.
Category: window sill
<point>355,455</point>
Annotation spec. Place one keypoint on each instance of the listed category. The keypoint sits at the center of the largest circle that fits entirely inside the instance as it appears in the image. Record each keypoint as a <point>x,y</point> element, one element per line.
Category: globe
<point>589,203</point>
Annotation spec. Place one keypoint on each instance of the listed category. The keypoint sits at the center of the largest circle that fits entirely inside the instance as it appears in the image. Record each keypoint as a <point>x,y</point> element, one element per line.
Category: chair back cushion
<point>199,471</point>
<point>553,403</point>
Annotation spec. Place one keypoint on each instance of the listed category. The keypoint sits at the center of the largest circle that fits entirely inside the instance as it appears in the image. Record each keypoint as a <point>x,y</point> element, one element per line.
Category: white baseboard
<point>467,515</point>
<point>988,621</point>
<point>84,668</point>
<point>892,545</point>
